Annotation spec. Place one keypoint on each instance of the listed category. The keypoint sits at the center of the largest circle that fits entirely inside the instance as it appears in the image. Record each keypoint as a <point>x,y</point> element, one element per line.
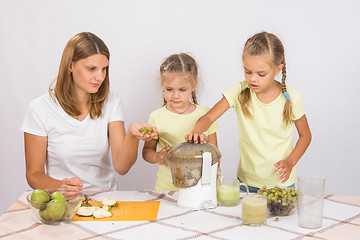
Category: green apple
<point>69,210</point>
<point>58,196</point>
<point>38,197</point>
<point>55,209</point>
<point>43,214</point>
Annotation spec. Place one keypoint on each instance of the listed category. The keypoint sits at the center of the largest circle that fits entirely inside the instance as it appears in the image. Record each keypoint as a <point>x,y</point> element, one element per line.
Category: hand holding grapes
<point>138,130</point>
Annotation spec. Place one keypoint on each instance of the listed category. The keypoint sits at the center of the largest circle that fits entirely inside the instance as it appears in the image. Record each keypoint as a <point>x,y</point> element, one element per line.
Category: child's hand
<point>284,168</point>
<point>135,127</point>
<point>163,154</point>
<point>196,137</point>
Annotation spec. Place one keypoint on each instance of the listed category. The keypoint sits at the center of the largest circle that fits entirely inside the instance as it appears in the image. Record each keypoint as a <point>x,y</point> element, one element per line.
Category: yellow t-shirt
<point>172,129</point>
<point>264,140</point>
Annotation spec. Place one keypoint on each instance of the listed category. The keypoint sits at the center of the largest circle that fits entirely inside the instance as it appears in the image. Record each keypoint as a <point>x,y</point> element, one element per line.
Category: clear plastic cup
<point>311,192</point>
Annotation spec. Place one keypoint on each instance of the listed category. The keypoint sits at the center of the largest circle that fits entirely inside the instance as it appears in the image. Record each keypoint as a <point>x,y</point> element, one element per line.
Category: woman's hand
<point>283,168</point>
<point>72,183</point>
<point>135,127</point>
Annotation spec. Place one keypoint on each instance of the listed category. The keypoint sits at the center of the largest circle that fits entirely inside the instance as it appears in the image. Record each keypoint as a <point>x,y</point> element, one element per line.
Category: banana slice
<point>101,213</point>
<point>85,211</point>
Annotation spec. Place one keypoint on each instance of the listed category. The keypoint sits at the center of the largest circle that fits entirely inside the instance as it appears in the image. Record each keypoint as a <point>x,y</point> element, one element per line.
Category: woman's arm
<point>124,147</point>
<point>35,155</point>
<point>285,166</point>
<point>205,121</point>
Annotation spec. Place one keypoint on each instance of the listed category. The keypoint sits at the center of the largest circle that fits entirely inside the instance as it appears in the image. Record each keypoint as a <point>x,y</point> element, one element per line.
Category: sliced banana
<point>85,211</point>
<point>108,202</point>
<point>101,213</point>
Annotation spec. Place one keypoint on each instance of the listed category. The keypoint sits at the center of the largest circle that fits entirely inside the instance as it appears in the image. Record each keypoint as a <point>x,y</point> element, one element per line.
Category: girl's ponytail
<point>245,103</point>
<point>287,112</point>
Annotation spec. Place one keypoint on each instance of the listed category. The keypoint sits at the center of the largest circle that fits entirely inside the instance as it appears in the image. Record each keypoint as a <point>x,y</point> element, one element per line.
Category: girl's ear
<point>279,68</point>
<point>194,86</point>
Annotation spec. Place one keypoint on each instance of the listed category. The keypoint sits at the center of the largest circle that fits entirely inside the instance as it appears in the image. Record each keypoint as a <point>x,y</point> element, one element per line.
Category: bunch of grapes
<point>145,130</point>
<point>280,202</point>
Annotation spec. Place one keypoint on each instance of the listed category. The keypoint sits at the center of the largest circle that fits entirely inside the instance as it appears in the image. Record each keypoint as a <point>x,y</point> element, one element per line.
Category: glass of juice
<point>228,192</point>
<point>254,210</point>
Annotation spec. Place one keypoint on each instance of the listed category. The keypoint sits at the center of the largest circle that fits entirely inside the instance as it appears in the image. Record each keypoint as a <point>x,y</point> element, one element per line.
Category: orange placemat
<point>127,211</point>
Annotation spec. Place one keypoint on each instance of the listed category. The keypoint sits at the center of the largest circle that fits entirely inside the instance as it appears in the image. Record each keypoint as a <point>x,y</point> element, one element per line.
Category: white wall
<point>322,52</point>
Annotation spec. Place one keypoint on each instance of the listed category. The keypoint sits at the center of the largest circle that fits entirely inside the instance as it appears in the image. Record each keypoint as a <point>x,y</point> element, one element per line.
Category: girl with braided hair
<point>266,110</point>
<point>180,111</point>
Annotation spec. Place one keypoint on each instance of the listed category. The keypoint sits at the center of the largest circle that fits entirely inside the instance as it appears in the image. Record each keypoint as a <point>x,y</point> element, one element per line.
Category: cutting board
<point>127,211</point>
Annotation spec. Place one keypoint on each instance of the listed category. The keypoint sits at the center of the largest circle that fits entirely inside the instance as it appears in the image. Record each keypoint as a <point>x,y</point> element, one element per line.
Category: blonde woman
<point>74,135</point>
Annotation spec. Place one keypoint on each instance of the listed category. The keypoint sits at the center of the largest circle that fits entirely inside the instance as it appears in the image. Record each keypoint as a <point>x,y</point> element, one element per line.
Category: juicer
<point>194,169</point>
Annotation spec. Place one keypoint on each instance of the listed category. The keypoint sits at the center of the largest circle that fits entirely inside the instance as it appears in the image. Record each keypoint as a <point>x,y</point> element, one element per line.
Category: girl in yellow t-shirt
<point>179,78</point>
<point>266,110</point>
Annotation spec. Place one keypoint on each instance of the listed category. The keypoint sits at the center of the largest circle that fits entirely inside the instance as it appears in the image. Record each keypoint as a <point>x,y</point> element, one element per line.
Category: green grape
<point>145,130</point>
<point>280,201</point>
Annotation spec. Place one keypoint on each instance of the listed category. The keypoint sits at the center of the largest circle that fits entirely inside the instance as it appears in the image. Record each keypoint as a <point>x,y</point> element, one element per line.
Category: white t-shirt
<point>76,148</point>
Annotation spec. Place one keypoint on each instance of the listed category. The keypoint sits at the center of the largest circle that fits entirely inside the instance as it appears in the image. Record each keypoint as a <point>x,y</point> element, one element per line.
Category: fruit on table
<point>58,195</point>
<point>43,214</point>
<point>108,202</point>
<point>280,202</point>
<point>145,130</point>
<point>55,209</point>
<point>101,213</point>
<point>86,211</point>
<point>38,197</point>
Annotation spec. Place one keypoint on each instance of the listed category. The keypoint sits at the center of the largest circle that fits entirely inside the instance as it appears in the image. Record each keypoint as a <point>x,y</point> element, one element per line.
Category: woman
<point>78,127</point>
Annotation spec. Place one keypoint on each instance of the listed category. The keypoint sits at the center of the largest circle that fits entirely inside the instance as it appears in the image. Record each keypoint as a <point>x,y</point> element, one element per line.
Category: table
<point>341,221</point>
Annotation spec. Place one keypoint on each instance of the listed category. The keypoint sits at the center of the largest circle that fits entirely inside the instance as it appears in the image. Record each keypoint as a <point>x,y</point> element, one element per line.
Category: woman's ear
<point>71,67</point>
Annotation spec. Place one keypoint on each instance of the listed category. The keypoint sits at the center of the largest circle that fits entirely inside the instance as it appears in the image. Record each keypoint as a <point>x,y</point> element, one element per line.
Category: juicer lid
<point>191,151</point>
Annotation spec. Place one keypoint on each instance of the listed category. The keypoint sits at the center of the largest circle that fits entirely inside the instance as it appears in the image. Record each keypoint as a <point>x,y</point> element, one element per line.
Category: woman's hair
<point>80,46</point>
<point>261,44</point>
<point>181,63</point>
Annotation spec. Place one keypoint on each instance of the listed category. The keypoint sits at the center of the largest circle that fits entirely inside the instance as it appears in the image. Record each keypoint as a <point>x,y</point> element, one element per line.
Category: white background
<point>321,39</point>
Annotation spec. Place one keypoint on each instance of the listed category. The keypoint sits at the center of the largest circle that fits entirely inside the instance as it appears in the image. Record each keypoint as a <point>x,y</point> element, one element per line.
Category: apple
<point>38,197</point>
<point>58,195</point>
<point>55,209</point>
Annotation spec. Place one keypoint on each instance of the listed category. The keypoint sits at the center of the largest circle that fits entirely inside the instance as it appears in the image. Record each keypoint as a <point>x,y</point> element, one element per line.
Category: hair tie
<point>247,86</point>
<point>286,95</point>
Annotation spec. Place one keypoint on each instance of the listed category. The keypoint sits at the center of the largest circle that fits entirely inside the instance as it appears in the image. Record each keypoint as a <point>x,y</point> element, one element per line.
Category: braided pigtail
<point>245,103</point>
<point>287,112</point>
<point>194,98</point>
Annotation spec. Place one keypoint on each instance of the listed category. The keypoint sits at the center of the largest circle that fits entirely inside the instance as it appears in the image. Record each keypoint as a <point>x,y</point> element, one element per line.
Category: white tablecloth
<point>341,221</point>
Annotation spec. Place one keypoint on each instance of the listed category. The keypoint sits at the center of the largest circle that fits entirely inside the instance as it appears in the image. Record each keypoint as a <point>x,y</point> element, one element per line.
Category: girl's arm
<point>124,147</point>
<point>285,166</point>
<point>205,121</point>
<point>149,152</point>
<point>35,155</point>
